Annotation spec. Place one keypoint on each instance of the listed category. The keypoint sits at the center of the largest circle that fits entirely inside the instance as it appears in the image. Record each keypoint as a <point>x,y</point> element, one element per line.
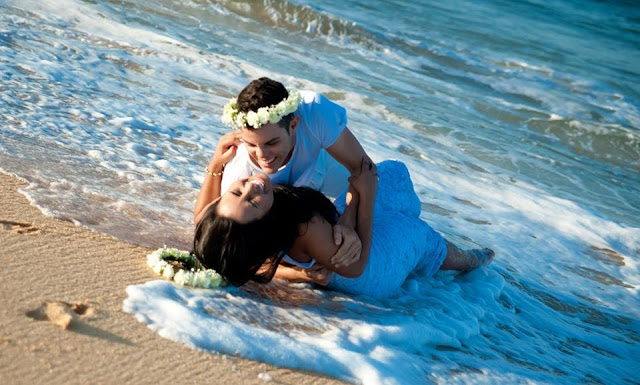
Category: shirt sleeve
<point>326,120</point>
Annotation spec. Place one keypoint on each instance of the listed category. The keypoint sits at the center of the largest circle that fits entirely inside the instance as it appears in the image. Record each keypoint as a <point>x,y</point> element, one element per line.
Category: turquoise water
<point>519,122</point>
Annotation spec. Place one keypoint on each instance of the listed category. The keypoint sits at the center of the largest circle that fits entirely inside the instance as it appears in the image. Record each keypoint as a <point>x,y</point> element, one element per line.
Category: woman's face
<point>247,199</point>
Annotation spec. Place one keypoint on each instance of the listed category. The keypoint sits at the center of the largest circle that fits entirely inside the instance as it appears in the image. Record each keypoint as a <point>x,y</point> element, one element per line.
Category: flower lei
<point>273,114</point>
<point>164,262</point>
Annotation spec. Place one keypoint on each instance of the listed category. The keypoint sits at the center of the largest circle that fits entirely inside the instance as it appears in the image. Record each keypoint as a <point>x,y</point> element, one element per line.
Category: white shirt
<point>321,123</point>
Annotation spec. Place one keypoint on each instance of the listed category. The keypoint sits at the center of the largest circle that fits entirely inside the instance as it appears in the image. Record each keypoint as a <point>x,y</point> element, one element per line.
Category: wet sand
<point>61,318</point>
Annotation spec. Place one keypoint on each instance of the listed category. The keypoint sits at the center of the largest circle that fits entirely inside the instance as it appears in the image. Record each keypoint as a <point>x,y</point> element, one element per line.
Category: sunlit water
<point>519,122</point>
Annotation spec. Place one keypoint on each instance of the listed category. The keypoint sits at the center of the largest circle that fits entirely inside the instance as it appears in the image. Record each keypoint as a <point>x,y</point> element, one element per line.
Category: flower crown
<point>190,273</point>
<point>272,114</point>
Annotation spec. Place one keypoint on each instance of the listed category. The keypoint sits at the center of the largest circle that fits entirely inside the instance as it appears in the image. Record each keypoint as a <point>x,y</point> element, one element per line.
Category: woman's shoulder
<point>314,241</point>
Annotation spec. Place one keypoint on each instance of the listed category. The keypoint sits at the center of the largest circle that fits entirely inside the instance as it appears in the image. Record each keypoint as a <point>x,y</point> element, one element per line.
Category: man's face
<point>270,146</point>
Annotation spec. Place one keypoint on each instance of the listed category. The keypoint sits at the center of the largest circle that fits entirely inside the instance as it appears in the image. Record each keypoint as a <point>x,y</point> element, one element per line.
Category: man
<point>284,133</point>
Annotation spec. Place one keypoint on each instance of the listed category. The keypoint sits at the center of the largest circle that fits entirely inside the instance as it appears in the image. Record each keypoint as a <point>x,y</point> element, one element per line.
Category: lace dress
<point>401,244</point>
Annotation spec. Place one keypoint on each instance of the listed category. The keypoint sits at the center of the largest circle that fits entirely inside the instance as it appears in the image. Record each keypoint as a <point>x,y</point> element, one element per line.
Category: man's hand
<point>349,246</point>
<point>318,274</point>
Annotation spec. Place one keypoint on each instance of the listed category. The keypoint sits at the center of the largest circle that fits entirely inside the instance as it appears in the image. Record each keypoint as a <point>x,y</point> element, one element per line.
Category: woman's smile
<point>247,199</point>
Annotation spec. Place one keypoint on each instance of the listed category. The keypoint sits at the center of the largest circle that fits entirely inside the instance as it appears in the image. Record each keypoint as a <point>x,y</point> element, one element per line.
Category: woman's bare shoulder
<point>315,241</point>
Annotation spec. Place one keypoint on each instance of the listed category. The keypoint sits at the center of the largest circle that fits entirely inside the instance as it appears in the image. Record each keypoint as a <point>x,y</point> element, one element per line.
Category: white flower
<point>168,272</point>
<point>252,119</point>
<point>200,279</point>
<point>216,280</point>
<point>153,259</point>
<point>274,117</point>
<point>205,278</point>
<point>159,267</point>
<point>281,109</point>
<point>229,112</point>
<point>240,120</point>
<point>180,277</point>
<point>263,115</point>
<point>272,114</point>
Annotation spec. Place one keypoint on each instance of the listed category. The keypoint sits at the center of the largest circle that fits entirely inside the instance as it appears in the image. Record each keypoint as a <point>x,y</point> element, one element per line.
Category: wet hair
<point>264,92</point>
<point>238,250</point>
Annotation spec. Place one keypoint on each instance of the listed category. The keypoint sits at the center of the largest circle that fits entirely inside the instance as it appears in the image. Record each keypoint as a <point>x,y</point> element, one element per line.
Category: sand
<point>61,318</point>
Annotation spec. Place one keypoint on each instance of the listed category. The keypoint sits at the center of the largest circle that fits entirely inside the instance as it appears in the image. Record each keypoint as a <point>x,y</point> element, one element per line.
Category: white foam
<point>111,123</point>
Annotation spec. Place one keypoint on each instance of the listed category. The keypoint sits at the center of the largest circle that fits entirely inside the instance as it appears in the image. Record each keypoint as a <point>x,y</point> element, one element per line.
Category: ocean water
<point>519,123</point>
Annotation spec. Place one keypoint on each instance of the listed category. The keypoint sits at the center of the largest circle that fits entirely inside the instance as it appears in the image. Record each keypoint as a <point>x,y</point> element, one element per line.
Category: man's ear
<point>293,125</point>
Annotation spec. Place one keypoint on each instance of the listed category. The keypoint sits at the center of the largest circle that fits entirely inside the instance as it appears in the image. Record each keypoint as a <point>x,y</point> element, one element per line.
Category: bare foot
<point>484,256</point>
<point>465,260</point>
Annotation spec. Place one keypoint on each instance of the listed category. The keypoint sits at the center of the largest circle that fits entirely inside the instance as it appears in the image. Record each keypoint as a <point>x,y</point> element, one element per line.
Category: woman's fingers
<point>229,154</point>
<point>319,274</point>
<point>226,149</point>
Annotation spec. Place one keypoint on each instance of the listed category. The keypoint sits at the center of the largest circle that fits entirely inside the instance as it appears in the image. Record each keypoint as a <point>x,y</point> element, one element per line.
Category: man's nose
<point>261,152</point>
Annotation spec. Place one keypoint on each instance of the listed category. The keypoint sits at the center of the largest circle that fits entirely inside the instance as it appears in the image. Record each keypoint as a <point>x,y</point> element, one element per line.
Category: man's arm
<point>348,151</point>
<point>210,189</point>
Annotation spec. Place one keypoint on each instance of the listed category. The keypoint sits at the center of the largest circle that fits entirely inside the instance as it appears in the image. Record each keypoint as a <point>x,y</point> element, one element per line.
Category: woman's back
<point>401,242</point>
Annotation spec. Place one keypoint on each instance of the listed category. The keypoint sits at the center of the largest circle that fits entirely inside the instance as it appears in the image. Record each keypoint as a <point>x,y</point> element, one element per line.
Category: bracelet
<point>214,174</point>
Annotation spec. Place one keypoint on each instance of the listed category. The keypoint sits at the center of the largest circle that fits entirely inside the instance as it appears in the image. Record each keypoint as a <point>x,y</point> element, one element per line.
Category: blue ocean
<point>519,123</point>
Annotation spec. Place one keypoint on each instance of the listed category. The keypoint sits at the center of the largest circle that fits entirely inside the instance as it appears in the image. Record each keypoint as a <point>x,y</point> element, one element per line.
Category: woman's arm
<point>348,151</point>
<point>365,186</point>
<point>210,189</point>
<point>346,255</point>
<point>316,274</point>
<point>316,239</point>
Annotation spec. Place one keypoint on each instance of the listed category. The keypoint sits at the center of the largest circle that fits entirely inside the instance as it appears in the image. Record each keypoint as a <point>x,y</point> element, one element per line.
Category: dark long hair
<point>238,250</point>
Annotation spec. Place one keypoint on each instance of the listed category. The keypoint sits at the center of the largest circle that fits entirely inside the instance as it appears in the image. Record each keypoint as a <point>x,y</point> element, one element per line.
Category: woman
<point>245,234</point>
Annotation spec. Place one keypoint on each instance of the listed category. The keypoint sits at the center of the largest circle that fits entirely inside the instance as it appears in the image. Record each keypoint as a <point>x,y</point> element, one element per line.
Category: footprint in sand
<point>19,227</point>
<point>60,313</point>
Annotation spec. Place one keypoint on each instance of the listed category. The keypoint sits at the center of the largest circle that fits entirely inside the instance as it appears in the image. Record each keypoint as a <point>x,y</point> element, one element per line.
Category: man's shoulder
<point>309,96</point>
<point>313,99</point>
<point>316,105</point>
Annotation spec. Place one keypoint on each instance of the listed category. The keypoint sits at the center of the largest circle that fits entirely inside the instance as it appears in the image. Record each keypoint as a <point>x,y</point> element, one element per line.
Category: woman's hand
<point>225,151</point>
<point>318,274</point>
<point>366,183</point>
<point>210,190</point>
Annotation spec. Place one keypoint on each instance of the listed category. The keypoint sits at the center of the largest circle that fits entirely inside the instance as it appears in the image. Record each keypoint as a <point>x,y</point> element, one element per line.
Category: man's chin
<point>270,169</point>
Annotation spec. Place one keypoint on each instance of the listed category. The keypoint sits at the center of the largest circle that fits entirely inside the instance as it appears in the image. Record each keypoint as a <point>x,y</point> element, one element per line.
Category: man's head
<point>270,146</point>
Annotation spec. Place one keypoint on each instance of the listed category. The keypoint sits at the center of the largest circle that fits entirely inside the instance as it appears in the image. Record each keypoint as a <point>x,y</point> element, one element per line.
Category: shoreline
<point>57,274</point>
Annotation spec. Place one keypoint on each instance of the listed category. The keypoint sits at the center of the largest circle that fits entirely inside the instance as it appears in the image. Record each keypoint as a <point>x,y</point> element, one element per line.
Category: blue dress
<point>401,242</point>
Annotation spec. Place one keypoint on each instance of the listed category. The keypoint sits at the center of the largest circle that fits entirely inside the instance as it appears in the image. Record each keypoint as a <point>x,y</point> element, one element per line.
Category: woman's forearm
<point>364,226</point>
<point>299,275</point>
<point>349,216</point>
<point>289,274</point>
<point>209,191</point>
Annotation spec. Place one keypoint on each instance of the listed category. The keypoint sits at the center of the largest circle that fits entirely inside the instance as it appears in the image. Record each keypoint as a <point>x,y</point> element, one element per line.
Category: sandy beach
<point>60,314</point>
